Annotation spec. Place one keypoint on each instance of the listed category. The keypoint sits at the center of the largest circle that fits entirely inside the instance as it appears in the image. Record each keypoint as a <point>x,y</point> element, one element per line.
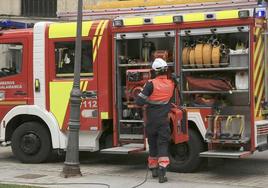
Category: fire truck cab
<point>218,56</point>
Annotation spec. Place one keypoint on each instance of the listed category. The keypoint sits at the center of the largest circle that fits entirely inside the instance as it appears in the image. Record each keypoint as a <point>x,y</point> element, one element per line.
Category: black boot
<point>154,172</point>
<point>162,174</point>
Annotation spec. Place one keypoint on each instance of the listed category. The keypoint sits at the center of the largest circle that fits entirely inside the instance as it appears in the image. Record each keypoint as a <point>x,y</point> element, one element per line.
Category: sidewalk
<point>127,171</point>
<point>53,179</point>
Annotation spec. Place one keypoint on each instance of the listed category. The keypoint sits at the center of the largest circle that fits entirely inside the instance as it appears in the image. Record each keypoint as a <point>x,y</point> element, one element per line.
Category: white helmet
<point>159,64</point>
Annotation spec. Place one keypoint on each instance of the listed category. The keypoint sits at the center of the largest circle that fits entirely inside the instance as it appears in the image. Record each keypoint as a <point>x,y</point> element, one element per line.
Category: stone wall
<point>10,7</point>
<point>71,5</point>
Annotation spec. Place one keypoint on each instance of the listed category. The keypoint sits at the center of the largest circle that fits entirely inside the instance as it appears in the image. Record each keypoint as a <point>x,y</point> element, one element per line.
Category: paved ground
<point>127,171</point>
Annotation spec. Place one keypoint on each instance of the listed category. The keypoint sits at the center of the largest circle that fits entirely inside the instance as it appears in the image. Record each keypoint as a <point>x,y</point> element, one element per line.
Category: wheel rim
<point>30,143</point>
<point>180,152</point>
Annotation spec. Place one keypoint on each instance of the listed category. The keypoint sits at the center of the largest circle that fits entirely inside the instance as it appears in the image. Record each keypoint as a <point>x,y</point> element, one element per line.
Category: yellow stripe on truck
<point>65,30</point>
<point>258,72</point>
<point>97,32</point>
<point>97,39</point>
<point>85,86</point>
<point>96,35</point>
<point>133,21</point>
<point>59,99</point>
<point>193,17</point>
<point>228,14</point>
<point>101,32</point>
<point>163,19</point>
<point>188,17</point>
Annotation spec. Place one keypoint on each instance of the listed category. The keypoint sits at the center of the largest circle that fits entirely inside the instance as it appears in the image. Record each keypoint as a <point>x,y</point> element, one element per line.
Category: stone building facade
<point>38,10</point>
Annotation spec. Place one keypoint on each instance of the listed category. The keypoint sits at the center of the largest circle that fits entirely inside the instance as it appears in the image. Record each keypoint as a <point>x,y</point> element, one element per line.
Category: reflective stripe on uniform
<point>152,162</point>
<point>143,96</point>
<point>163,161</point>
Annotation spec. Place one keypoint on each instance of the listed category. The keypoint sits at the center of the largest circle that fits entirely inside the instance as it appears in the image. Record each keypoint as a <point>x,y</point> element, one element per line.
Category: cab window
<point>10,59</point>
<point>65,57</point>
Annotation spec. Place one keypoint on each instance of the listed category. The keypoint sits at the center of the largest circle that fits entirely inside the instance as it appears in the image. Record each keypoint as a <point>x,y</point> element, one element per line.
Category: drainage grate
<point>30,176</point>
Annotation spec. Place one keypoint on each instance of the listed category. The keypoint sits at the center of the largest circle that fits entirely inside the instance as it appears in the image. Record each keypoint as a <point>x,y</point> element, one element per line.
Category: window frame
<point>55,75</point>
<point>22,58</point>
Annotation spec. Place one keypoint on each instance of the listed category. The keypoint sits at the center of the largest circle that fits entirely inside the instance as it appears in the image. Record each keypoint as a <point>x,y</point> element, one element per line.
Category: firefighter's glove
<point>175,78</point>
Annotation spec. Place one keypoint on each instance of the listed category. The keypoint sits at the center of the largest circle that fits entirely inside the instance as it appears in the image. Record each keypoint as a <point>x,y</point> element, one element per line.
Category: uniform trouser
<point>158,134</point>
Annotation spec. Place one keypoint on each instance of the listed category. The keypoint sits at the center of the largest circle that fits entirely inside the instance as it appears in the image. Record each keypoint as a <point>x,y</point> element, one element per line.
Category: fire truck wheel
<point>185,157</point>
<point>31,143</point>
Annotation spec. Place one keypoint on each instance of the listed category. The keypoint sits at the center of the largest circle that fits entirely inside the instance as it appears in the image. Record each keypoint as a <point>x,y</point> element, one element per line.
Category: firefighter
<point>156,96</point>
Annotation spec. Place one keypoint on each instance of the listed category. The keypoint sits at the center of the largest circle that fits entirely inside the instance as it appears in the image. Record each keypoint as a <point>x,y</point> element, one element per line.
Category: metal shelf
<point>214,69</point>
<point>229,141</point>
<point>134,65</point>
<point>130,121</point>
<point>141,64</point>
<point>242,53</point>
<point>131,136</point>
<point>230,92</point>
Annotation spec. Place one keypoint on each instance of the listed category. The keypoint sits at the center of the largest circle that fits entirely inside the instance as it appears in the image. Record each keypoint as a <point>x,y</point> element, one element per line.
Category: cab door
<point>61,85</point>
<point>14,76</point>
<point>61,49</point>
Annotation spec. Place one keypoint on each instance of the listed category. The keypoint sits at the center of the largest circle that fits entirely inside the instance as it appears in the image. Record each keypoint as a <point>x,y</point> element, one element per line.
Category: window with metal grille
<point>39,8</point>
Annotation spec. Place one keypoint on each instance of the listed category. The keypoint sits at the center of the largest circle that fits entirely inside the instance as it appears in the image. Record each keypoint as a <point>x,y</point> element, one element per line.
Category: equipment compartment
<point>135,53</point>
<point>215,73</point>
<point>220,72</point>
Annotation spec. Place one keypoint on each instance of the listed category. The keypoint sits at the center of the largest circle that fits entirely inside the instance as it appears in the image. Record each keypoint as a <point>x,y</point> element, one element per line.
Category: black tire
<point>31,143</point>
<point>185,157</point>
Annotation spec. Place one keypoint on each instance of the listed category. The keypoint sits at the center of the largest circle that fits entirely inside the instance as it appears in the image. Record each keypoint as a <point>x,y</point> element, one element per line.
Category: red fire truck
<point>216,49</point>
